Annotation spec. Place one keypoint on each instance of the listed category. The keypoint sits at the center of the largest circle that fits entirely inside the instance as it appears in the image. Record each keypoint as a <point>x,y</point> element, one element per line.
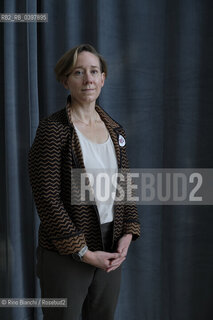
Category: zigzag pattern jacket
<point>64,227</point>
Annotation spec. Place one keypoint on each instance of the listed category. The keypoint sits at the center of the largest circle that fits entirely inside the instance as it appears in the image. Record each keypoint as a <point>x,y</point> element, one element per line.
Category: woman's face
<point>86,79</point>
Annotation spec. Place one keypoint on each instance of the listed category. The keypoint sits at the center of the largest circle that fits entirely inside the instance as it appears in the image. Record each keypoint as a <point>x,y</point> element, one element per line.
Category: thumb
<point>114,255</point>
<point>122,251</point>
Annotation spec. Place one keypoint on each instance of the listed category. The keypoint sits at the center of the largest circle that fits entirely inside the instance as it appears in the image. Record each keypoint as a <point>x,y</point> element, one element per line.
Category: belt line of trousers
<point>91,292</point>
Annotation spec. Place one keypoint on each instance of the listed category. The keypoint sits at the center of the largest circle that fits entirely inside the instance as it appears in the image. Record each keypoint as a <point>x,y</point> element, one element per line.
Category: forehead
<point>86,58</point>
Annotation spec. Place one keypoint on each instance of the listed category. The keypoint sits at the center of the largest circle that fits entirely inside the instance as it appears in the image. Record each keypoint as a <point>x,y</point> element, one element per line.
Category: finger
<point>114,255</point>
<point>117,262</point>
<point>113,268</point>
<point>121,257</point>
<point>124,252</point>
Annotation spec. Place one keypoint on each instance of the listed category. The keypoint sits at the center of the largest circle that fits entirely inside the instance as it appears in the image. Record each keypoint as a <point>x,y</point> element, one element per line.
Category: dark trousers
<point>89,290</point>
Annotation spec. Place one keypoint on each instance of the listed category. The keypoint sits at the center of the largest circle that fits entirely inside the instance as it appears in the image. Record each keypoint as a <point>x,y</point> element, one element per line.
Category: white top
<point>100,159</point>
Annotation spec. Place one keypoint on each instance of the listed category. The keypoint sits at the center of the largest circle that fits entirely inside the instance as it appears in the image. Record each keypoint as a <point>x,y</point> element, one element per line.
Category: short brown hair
<point>66,63</point>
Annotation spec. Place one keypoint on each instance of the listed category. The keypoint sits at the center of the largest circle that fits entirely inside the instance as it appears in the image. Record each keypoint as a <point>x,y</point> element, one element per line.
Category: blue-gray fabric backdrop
<point>159,87</point>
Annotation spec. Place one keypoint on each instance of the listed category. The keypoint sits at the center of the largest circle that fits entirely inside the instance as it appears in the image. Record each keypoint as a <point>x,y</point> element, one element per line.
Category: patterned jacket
<point>64,227</point>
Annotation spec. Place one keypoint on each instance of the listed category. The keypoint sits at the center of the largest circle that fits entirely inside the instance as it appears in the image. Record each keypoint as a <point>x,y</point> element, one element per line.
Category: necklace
<point>86,124</point>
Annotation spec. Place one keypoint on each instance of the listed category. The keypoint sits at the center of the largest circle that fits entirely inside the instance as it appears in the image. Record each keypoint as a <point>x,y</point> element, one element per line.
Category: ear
<point>103,77</point>
<point>64,82</point>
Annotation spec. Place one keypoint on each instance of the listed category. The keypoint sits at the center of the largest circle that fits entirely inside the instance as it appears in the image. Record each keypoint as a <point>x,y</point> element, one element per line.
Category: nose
<point>87,77</point>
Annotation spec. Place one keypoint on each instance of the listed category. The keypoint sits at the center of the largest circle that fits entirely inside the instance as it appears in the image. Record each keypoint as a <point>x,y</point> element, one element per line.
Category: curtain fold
<point>159,88</point>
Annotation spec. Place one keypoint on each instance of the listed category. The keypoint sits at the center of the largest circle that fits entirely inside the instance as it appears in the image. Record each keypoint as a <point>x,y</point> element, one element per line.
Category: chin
<point>89,99</point>
<point>86,101</point>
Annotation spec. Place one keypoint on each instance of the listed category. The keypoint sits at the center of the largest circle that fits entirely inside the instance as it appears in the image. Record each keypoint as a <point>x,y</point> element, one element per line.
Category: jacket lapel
<point>114,130</point>
<point>75,143</point>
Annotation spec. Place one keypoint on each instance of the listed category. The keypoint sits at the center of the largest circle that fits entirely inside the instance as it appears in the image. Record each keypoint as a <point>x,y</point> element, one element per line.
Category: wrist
<point>128,235</point>
<point>88,256</point>
<point>79,255</point>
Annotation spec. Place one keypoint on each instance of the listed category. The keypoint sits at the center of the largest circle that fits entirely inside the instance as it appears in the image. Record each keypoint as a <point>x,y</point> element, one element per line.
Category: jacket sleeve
<point>131,218</point>
<point>45,177</point>
<point>131,221</point>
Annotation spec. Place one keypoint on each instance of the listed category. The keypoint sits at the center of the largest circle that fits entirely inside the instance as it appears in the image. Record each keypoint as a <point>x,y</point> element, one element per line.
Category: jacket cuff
<point>70,245</point>
<point>133,228</point>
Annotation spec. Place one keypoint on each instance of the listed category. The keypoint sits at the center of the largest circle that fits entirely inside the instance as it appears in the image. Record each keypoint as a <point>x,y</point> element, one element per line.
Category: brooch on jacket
<point>121,140</point>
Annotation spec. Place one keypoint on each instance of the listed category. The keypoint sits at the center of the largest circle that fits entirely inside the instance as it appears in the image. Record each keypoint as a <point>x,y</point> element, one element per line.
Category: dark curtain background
<point>160,87</point>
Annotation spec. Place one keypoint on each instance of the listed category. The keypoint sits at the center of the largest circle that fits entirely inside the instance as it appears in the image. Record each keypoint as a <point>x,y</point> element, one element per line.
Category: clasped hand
<point>106,260</point>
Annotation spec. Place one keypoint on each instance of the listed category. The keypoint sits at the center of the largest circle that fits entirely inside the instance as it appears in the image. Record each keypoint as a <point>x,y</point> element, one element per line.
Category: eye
<point>78,72</point>
<point>94,71</point>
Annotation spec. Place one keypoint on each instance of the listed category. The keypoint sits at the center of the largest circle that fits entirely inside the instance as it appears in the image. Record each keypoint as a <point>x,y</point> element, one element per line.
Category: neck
<point>85,113</point>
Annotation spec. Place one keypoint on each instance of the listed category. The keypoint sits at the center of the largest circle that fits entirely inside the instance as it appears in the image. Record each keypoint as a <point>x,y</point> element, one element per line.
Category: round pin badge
<point>121,140</point>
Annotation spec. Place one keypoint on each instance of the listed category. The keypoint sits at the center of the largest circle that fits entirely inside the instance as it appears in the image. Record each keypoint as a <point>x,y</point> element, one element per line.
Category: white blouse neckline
<point>90,141</point>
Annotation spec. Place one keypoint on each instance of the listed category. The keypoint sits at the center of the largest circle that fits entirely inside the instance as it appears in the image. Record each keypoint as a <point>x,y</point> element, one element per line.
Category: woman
<point>81,247</point>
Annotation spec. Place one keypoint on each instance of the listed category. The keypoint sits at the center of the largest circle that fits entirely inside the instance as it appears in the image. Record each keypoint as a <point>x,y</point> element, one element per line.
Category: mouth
<point>88,89</point>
